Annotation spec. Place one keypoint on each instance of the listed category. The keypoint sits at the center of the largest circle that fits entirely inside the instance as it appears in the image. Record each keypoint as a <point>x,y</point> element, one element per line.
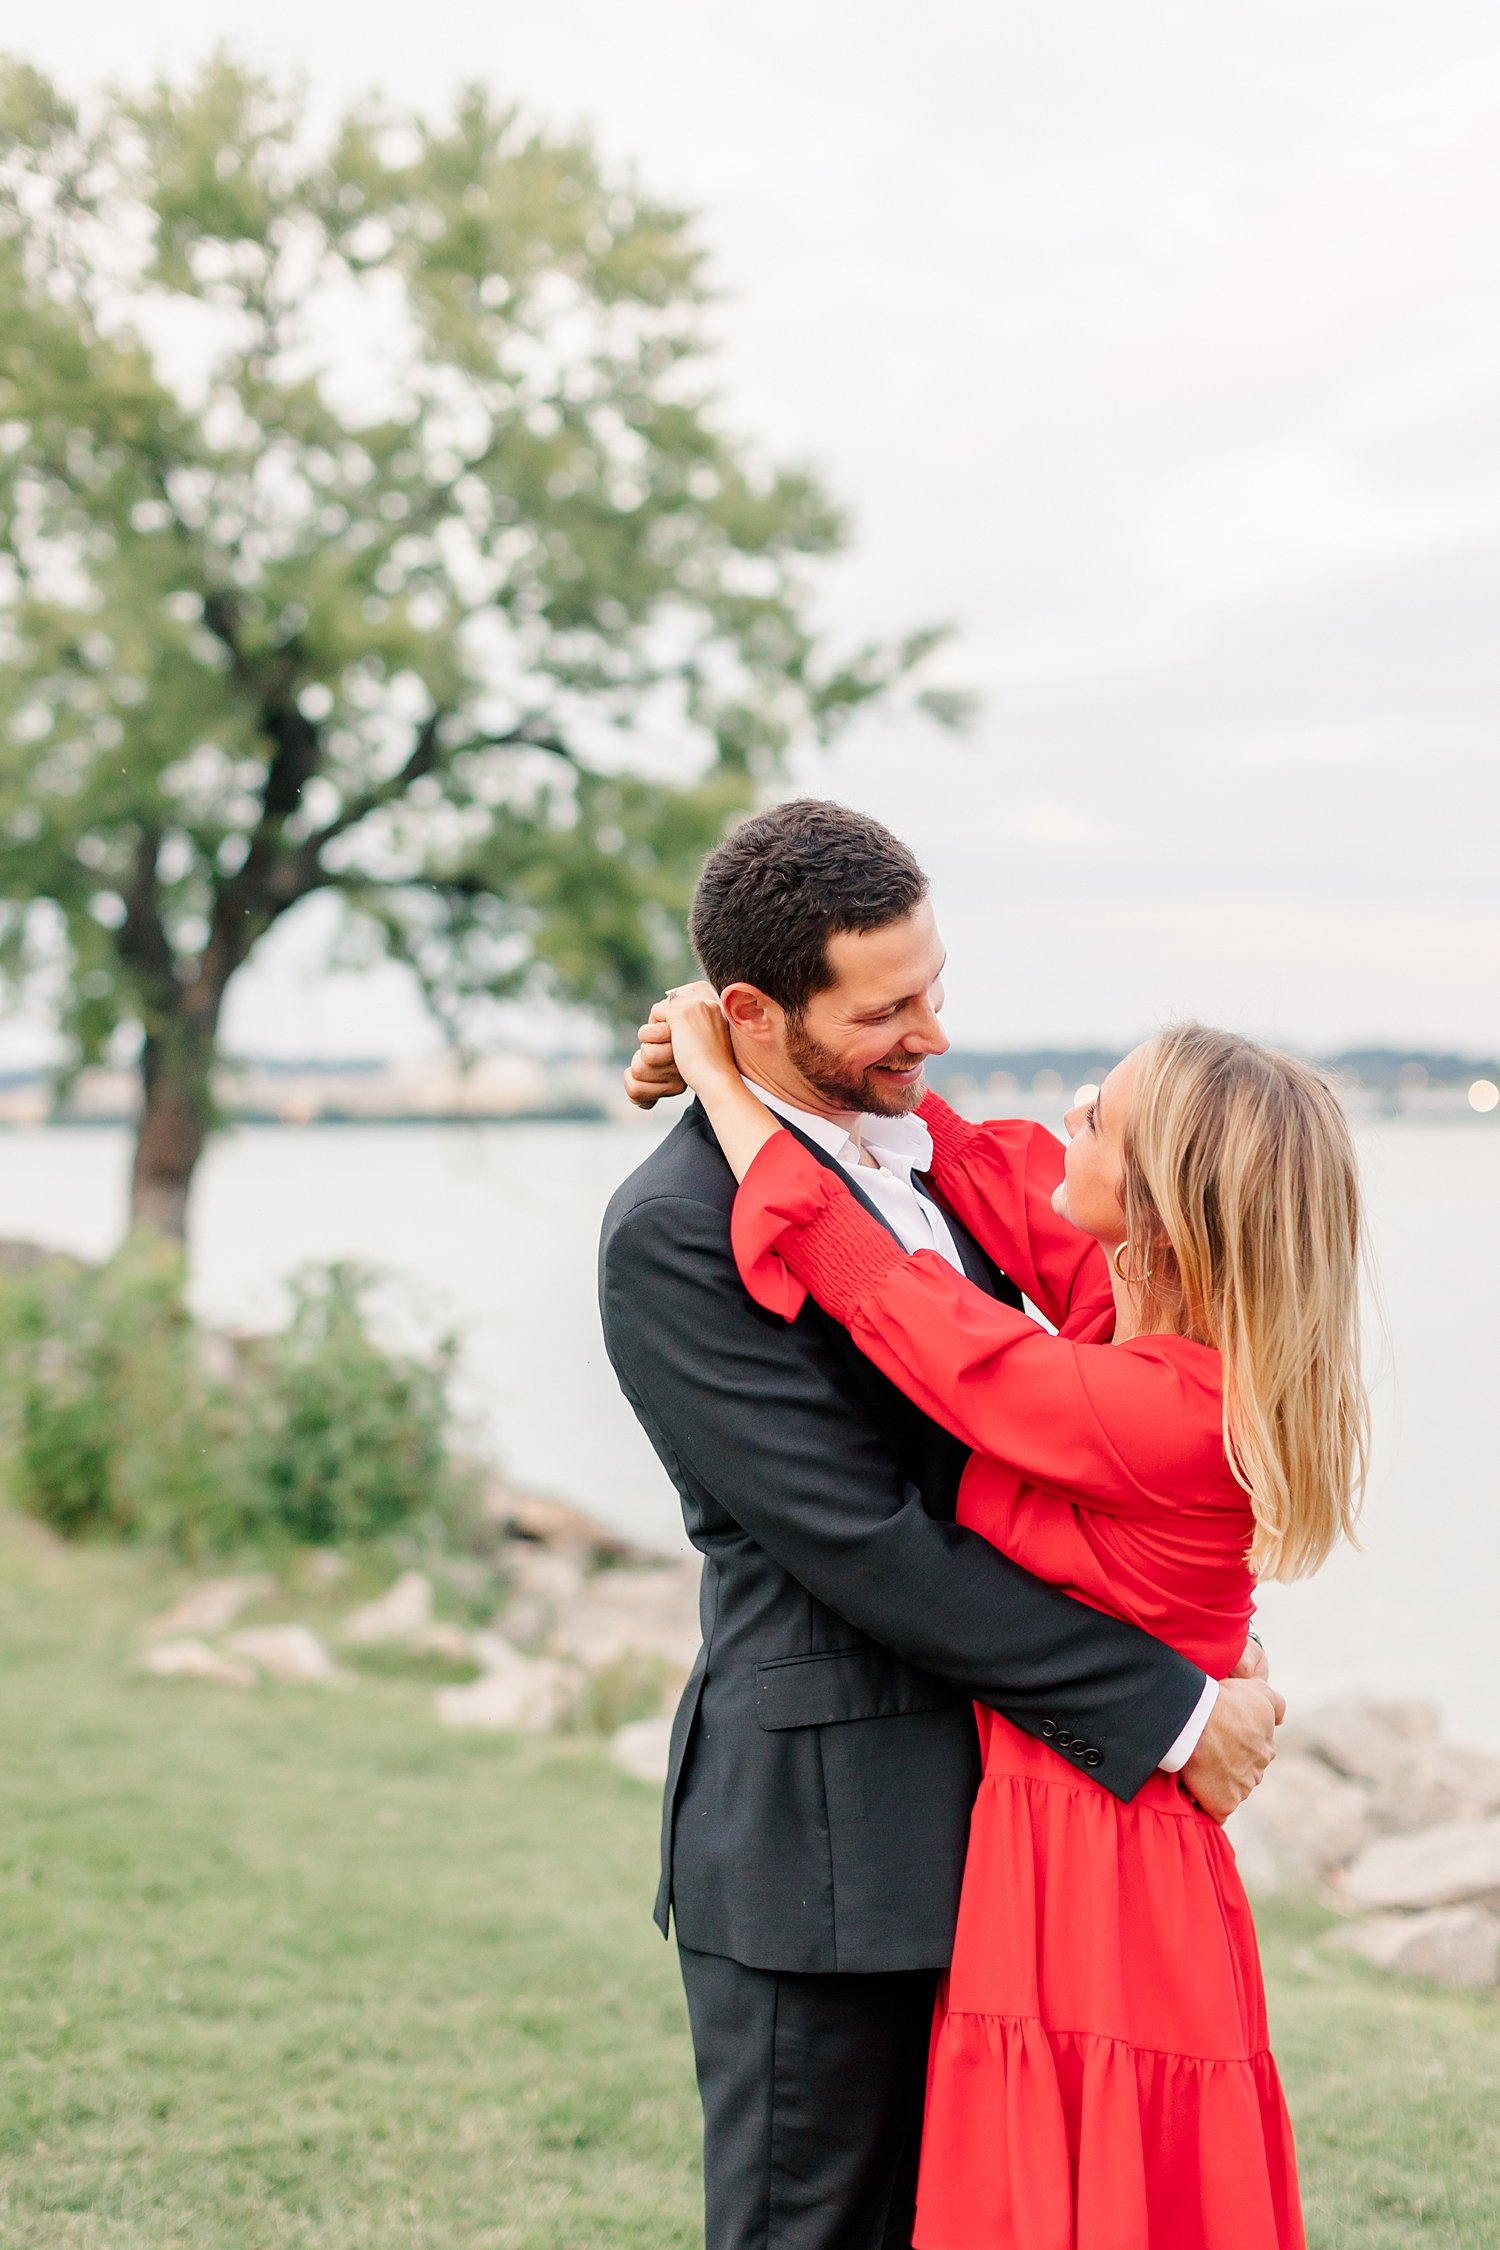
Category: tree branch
<point>144,945</point>
<point>442,886</point>
<point>427,753</point>
<point>521,737</point>
<point>250,901</point>
<point>270,881</point>
<point>221,616</point>
<point>422,759</point>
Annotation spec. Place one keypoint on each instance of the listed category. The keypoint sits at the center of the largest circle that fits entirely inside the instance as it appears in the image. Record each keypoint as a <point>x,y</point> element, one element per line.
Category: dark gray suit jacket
<point>824,1759</point>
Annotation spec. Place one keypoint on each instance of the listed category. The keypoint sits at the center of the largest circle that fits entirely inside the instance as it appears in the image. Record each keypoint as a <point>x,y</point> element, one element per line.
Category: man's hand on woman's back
<point>1236,1746</point>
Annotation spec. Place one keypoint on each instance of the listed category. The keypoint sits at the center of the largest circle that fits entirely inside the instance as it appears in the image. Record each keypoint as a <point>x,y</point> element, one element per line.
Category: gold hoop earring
<point>1131,1281</point>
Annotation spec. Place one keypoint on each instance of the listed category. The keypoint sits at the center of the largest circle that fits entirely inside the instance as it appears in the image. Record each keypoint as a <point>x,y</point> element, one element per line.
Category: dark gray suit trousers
<point>812,2091</point>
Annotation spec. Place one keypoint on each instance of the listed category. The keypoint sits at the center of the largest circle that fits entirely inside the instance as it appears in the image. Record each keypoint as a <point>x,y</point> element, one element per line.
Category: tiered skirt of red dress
<point>1100,2070</point>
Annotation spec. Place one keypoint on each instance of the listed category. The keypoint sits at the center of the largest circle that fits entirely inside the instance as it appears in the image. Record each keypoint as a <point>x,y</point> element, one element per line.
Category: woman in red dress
<point>1100,2073</point>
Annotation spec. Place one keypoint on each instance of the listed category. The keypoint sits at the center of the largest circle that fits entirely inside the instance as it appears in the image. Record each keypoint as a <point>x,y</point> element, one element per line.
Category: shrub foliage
<point>351,1440</point>
<point>119,1422</point>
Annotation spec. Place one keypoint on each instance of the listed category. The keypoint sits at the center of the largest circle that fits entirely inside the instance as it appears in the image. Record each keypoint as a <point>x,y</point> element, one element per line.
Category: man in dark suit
<point>824,1760</point>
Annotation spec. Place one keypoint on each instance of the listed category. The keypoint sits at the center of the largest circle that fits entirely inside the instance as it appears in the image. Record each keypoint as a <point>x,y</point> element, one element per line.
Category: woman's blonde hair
<point>1242,1210</point>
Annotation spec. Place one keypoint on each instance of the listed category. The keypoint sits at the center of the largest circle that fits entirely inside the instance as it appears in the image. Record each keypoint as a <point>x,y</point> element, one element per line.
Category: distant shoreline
<point>563,1113</point>
<point>510,1088</point>
<point>1366,1106</point>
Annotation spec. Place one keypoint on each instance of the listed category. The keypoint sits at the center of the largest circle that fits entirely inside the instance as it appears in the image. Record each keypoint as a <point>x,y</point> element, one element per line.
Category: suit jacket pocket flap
<point>844,1683</point>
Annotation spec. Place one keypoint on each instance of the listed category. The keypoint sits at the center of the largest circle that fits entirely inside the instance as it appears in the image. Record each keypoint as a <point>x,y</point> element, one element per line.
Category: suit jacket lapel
<point>979,1267</point>
<point>849,1179</point>
<point>829,1164</point>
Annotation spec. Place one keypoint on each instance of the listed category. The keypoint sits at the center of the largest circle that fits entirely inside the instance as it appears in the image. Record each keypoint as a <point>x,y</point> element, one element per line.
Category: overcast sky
<point>1159,348</point>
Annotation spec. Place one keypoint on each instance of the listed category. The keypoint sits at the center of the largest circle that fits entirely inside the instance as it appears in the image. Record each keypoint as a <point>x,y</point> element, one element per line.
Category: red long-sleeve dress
<point>1100,2077</point>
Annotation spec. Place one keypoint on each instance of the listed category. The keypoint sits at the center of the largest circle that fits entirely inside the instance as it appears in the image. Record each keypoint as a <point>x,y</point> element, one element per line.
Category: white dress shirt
<point>901,1146</point>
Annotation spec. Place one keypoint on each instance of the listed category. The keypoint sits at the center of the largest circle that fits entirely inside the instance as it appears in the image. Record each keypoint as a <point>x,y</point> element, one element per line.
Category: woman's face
<point>1091,1193</point>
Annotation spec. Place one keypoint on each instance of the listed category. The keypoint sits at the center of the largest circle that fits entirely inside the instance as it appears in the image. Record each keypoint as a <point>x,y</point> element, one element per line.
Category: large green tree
<point>366,527</point>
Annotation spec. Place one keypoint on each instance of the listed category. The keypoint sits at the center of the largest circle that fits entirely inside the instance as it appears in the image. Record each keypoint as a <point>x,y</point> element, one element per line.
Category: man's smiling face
<point>861,1042</point>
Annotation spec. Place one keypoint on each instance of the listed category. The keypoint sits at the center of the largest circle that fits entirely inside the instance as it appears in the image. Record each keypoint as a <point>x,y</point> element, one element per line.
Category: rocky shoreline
<point>580,1608</point>
<point>1368,1807</point>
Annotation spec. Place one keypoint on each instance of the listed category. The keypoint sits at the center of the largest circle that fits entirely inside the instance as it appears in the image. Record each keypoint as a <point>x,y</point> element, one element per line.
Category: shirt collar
<point>902,1144</point>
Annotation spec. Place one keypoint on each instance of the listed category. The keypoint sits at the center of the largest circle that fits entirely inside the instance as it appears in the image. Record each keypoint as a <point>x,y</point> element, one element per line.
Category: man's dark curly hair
<point>785,882</point>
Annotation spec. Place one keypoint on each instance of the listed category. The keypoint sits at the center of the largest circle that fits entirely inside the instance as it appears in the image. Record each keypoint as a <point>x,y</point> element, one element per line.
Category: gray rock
<point>1365,1740</point>
<point>623,1613</point>
<point>213,1606</point>
<point>287,1652</point>
<point>1442,1866</point>
<point>194,1660</point>
<point>1303,1821</point>
<point>469,1576</point>
<point>524,1694</point>
<point>450,1641</point>
<point>403,1609</point>
<point>642,1748</point>
<point>1439,1782</point>
<point>324,1566</point>
<point>531,1518</point>
<point>545,1582</point>
<point>1447,1945</point>
<point>493,1651</point>
<point>1264,1867</point>
<point>553,1572</point>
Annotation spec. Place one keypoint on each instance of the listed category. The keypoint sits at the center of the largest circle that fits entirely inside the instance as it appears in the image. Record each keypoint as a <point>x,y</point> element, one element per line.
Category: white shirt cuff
<point>1192,1734</point>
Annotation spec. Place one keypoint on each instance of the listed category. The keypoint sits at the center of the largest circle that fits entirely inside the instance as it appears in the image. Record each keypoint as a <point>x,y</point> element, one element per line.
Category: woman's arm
<point>1127,1430</point>
<point>999,1178</point>
<point>1105,1424</point>
<point>690,1025</point>
<point>759,1415</point>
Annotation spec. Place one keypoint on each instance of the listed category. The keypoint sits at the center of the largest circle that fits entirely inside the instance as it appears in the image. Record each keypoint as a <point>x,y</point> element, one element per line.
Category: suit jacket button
<point>1079,1746</point>
<point>1049,1728</point>
<point>1064,1739</point>
<point>1093,1758</point>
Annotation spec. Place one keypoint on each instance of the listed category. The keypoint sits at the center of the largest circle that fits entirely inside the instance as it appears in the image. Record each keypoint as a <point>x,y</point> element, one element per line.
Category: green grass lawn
<point>300,1967</point>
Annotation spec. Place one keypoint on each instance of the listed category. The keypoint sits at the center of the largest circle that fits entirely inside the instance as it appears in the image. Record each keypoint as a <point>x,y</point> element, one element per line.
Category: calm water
<point>492,1230</point>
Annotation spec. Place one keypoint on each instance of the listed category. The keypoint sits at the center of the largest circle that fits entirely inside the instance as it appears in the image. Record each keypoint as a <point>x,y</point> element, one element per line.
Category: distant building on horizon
<point>512,1084</point>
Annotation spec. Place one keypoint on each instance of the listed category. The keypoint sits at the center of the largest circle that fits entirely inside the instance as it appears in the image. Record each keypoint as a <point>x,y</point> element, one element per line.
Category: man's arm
<point>1237,1741</point>
<point>756,1413</point>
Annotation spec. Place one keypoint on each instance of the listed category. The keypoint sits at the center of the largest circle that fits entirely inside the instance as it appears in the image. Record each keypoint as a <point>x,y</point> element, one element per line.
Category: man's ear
<point>750,1015</point>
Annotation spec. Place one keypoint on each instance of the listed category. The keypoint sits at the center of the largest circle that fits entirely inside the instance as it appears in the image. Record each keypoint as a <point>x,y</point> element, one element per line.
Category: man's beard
<point>845,1087</point>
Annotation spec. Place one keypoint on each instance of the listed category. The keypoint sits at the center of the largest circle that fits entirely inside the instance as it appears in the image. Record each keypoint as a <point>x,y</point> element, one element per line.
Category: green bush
<point>352,1440</point>
<point>114,1426</point>
<point>117,1425</point>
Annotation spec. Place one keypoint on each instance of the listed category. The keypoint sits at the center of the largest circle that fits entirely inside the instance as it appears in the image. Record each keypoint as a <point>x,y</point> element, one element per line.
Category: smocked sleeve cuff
<point>952,1136</point>
<point>796,1230</point>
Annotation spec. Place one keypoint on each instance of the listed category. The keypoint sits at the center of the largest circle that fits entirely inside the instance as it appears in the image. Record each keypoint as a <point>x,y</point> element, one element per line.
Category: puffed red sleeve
<point>999,1179</point>
<point>1129,1430</point>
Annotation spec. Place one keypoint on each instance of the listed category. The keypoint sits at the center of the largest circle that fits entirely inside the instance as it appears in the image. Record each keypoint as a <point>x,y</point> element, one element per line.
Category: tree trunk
<point>176,1119</point>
